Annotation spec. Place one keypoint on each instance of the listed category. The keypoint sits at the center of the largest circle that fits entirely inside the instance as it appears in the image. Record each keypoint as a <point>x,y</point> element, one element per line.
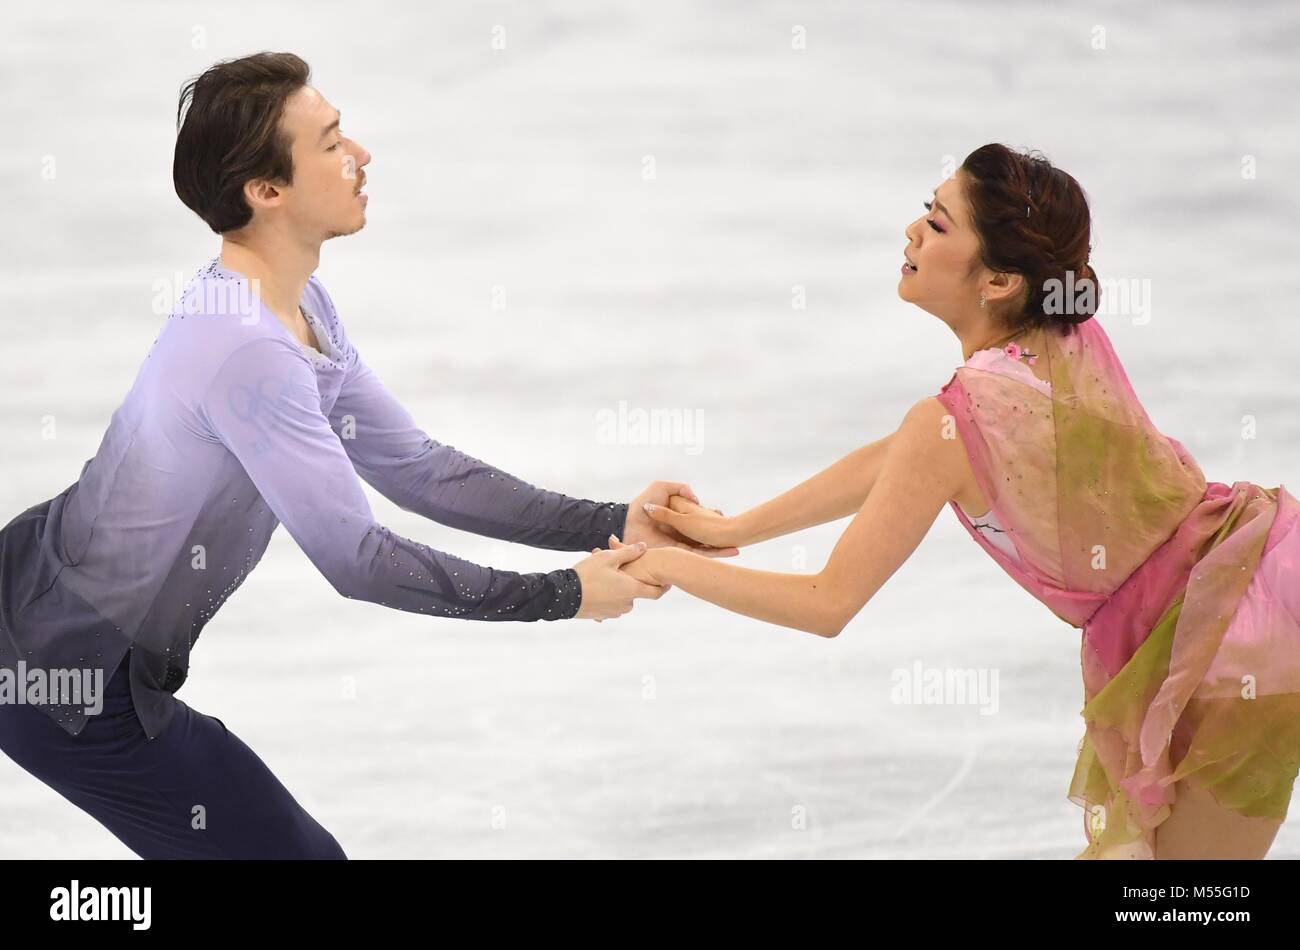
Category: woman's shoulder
<point>929,437</point>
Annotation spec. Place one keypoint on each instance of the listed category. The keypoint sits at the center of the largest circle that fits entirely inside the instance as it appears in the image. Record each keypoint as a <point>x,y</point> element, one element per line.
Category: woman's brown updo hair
<point>1032,219</point>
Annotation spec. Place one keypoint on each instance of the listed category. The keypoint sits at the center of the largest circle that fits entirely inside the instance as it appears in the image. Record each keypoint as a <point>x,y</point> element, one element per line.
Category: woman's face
<point>942,245</point>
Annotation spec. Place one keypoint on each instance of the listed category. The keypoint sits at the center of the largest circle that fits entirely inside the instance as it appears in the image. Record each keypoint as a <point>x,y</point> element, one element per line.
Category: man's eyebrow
<point>333,125</point>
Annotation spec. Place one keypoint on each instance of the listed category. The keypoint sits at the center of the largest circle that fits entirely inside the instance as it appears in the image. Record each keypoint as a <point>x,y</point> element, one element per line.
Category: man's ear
<point>260,192</point>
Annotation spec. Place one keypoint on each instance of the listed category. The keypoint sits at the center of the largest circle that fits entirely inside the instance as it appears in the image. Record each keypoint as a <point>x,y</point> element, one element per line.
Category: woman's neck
<point>986,341</point>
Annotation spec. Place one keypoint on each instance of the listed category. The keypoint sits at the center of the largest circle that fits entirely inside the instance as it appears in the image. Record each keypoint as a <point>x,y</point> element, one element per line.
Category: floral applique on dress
<point>1011,360</point>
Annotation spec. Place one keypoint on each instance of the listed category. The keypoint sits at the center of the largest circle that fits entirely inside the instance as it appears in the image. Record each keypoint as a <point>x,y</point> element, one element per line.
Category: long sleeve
<point>263,404</point>
<point>441,483</point>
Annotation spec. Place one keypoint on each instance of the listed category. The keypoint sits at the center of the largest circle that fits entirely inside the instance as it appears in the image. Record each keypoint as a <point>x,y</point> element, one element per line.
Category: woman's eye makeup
<point>930,221</point>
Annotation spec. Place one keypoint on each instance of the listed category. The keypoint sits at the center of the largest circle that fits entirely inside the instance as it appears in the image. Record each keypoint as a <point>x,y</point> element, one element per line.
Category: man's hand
<point>656,534</point>
<point>649,567</point>
<point>606,590</point>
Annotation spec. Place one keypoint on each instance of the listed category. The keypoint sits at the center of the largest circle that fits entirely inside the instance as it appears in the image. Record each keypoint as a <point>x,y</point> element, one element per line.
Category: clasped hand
<point>665,515</point>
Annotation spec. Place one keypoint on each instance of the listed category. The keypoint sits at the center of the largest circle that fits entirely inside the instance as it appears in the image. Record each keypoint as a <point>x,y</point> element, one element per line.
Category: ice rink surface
<point>623,206</point>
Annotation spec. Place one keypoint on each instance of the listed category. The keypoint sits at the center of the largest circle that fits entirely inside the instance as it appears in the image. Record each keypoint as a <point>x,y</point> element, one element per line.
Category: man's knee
<point>315,844</point>
<point>330,850</point>
<point>293,840</point>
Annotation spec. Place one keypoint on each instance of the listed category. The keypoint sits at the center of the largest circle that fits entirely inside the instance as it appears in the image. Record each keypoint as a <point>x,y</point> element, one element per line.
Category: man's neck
<point>280,269</point>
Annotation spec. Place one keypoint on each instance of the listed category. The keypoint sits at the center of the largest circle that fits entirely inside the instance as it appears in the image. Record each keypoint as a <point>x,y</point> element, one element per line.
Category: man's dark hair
<point>231,134</point>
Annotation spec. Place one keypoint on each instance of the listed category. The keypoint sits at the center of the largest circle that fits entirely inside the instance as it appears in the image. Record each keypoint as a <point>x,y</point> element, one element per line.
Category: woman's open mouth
<point>908,266</point>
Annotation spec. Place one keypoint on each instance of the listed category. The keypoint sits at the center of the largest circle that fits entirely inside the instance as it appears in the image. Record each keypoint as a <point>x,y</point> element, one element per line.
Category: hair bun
<point>1032,219</point>
<point>1087,297</point>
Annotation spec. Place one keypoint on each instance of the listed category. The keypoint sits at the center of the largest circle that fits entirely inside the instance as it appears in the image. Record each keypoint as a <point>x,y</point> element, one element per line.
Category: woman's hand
<point>707,526</point>
<point>657,533</point>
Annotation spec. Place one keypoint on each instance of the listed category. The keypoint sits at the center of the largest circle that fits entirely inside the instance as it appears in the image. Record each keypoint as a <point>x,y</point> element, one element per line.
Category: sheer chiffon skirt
<point>1211,695</point>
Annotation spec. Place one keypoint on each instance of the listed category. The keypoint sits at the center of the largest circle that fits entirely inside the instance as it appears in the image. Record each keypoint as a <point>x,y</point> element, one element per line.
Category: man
<point>253,408</point>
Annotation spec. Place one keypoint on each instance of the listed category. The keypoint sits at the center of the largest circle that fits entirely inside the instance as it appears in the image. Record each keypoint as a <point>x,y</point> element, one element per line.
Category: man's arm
<point>400,461</point>
<point>264,405</point>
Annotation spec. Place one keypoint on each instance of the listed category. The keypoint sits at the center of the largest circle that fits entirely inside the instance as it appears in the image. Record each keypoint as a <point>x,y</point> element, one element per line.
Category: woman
<point>1187,593</point>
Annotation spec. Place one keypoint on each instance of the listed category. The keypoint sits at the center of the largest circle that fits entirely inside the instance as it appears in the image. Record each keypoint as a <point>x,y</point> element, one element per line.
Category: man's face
<point>325,199</point>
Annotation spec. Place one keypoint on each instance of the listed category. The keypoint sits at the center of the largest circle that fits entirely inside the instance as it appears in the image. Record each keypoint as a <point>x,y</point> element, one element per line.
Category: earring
<point>981,301</point>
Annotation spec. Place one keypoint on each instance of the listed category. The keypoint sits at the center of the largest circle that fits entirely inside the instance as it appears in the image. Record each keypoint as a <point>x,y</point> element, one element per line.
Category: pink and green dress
<point>1187,592</point>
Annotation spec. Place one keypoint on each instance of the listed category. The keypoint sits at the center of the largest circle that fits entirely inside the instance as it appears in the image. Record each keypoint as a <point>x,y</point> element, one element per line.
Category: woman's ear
<point>1004,286</point>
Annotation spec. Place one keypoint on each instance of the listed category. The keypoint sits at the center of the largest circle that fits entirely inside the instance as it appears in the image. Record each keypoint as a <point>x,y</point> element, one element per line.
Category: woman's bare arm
<point>835,492</point>
<point>921,472</point>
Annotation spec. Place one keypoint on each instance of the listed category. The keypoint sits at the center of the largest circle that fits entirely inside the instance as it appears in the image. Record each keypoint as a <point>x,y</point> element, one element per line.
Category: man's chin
<point>333,234</point>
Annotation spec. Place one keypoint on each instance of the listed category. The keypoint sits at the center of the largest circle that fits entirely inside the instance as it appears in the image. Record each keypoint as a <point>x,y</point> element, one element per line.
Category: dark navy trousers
<point>195,791</point>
